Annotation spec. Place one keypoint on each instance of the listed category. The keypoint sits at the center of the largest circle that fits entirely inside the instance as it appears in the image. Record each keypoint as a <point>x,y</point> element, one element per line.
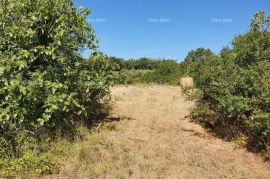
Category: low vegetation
<point>50,96</point>
<point>46,87</point>
<point>232,87</point>
<point>149,71</point>
<point>235,87</point>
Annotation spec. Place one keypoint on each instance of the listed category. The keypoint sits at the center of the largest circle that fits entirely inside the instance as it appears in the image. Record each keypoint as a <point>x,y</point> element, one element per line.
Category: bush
<point>253,46</point>
<point>45,86</point>
<point>238,97</point>
<point>236,90</point>
<point>169,72</point>
<point>129,77</point>
<point>30,164</point>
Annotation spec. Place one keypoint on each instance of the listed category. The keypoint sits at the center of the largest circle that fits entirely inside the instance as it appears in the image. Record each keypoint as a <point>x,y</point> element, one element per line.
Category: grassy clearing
<point>148,135</point>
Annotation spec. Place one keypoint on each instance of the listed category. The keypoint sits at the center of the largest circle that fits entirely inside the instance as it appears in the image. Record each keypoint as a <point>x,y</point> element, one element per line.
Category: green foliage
<point>253,46</point>
<point>138,64</point>
<point>169,72</point>
<point>267,153</point>
<point>260,23</point>
<point>238,96</point>
<point>227,53</point>
<point>133,76</point>
<point>199,54</point>
<point>195,58</point>
<point>45,86</point>
<point>143,64</point>
<point>236,88</point>
<point>146,70</point>
<point>30,164</point>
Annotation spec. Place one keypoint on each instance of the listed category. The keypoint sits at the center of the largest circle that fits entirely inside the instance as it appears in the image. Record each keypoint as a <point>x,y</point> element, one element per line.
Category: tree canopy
<point>199,54</point>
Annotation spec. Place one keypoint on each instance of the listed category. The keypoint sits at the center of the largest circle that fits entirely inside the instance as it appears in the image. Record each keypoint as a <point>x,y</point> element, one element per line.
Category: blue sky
<point>168,28</point>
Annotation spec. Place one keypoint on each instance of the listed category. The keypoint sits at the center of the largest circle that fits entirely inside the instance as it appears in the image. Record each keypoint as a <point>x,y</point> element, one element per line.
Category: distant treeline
<point>232,87</point>
<point>141,63</point>
<point>147,70</point>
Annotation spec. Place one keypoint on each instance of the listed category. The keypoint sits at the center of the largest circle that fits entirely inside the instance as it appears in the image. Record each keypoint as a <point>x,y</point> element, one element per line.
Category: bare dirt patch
<point>152,138</point>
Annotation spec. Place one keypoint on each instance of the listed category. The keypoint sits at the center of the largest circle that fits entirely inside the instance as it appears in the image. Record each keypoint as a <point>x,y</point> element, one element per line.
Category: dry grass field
<point>149,136</point>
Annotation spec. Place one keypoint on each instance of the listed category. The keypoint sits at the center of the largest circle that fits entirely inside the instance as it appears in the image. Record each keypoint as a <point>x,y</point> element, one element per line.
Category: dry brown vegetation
<point>149,136</point>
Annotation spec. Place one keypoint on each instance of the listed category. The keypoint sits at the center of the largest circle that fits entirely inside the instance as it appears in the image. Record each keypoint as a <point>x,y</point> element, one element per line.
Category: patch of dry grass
<point>154,139</point>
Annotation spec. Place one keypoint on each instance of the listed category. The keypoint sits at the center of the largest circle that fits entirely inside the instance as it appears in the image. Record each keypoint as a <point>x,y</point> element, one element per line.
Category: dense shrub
<point>239,97</point>
<point>252,47</point>
<point>168,72</point>
<point>133,76</point>
<point>45,86</point>
<point>236,87</point>
<point>145,70</point>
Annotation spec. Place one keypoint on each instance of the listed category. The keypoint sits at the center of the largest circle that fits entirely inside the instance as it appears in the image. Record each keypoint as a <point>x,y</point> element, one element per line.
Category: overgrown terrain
<point>149,71</point>
<point>57,118</point>
<point>232,87</point>
<point>235,87</point>
<point>148,135</point>
<point>46,87</point>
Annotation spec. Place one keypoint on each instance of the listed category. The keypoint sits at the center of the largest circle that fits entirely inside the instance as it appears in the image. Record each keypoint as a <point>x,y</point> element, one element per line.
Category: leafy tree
<point>226,53</point>
<point>44,82</point>
<point>260,23</point>
<point>119,61</point>
<point>253,46</point>
<point>146,64</point>
<point>199,54</point>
